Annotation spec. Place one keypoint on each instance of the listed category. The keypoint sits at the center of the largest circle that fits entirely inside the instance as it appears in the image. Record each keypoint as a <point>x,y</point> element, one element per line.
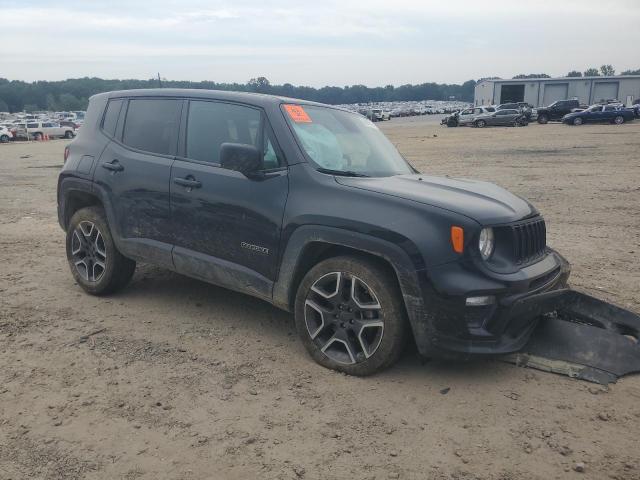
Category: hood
<point>484,202</point>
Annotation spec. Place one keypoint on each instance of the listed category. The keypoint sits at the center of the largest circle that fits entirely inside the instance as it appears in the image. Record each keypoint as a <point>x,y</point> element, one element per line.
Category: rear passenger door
<point>134,172</point>
<point>227,226</point>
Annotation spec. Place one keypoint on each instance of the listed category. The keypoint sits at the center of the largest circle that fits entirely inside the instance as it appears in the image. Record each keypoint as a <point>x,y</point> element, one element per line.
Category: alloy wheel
<point>577,121</point>
<point>619,120</point>
<point>88,251</point>
<point>344,318</point>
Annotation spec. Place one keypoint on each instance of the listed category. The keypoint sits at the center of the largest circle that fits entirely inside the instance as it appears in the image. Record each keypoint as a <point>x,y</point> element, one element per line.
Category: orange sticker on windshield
<point>297,114</point>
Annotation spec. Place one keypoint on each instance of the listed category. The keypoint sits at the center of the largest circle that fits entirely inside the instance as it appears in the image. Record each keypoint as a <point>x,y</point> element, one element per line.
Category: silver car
<point>467,117</point>
<point>509,117</point>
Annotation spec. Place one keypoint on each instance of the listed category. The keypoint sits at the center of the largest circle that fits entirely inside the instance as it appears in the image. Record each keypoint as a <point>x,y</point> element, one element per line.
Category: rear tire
<point>95,262</point>
<point>543,119</point>
<point>619,120</point>
<point>37,136</point>
<point>68,134</point>
<point>481,124</point>
<point>350,315</point>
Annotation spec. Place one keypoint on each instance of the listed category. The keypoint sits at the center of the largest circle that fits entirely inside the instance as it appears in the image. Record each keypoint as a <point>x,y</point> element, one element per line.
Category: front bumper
<point>450,328</point>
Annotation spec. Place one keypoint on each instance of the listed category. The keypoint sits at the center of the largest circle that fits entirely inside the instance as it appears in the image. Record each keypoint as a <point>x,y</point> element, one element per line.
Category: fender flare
<point>409,278</point>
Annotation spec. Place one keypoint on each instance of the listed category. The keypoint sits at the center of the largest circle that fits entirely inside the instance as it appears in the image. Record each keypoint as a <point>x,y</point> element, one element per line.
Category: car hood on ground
<point>484,202</point>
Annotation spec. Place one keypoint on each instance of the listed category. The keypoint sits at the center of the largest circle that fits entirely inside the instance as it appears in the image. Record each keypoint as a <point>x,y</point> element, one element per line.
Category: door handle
<point>188,182</point>
<point>113,166</point>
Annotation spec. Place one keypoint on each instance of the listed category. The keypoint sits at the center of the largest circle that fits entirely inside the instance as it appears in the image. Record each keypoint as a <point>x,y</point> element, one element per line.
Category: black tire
<point>68,134</point>
<point>117,269</point>
<point>386,326</point>
<point>4,138</point>
<point>578,121</point>
<point>543,119</point>
<point>37,136</point>
<point>480,123</point>
<point>619,120</point>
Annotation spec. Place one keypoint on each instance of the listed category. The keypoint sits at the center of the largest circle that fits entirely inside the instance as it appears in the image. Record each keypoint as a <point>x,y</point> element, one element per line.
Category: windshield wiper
<point>344,173</point>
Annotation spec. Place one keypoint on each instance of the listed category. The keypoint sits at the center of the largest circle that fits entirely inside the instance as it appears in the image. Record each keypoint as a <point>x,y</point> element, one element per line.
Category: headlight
<point>486,243</point>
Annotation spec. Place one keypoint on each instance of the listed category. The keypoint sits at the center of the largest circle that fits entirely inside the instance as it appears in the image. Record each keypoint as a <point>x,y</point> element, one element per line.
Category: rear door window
<point>151,125</point>
<point>110,120</point>
<point>210,124</point>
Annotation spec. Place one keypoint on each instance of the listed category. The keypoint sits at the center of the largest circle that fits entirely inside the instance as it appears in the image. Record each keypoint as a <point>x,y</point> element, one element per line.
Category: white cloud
<point>335,42</point>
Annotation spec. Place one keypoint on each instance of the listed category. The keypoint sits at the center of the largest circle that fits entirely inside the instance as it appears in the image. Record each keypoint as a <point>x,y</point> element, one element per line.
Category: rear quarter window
<point>110,120</point>
<point>151,125</point>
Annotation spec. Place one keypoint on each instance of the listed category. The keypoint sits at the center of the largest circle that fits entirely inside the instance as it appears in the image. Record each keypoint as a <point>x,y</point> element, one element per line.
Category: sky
<point>328,42</point>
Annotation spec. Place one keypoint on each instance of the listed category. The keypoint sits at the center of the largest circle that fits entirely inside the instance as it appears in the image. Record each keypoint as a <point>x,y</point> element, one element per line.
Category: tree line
<point>604,70</point>
<point>73,94</point>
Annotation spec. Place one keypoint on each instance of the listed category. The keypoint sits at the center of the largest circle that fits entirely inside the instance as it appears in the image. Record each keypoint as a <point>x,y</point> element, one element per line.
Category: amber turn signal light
<point>457,239</point>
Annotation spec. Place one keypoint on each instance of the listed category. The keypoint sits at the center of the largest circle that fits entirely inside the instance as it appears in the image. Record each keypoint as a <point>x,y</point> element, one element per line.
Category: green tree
<point>574,73</point>
<point>4,107</point>
<point>631,72</point>
<point>591,72</point>
<point>607,70</point>
<point>532,75</point>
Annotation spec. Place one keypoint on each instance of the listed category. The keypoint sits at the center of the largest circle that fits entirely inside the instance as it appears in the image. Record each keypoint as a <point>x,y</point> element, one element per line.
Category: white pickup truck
<point>37,130</point>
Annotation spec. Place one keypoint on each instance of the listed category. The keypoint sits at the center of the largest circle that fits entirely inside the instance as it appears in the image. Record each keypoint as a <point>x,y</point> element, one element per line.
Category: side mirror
<point>240,157</point>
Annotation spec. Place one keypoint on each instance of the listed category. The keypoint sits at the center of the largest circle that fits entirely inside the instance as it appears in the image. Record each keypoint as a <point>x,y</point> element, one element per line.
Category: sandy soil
<point>188,381</point>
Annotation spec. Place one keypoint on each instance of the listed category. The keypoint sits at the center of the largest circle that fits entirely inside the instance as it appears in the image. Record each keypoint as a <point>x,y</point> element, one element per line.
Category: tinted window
<point>151,125</point>
<point>211,124</point>
<point>47,125</point>
<point>609,108</point>
<point>32,125</point>
<point>491,109</point>
<point>111,117</point>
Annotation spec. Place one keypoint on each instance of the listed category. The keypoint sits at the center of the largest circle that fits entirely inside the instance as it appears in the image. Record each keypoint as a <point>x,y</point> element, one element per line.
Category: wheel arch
<point>76,199</point>
<point>311,244</point>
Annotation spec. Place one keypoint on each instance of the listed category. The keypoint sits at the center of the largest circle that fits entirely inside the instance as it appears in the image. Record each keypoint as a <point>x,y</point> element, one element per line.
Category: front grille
<point>529,240</point>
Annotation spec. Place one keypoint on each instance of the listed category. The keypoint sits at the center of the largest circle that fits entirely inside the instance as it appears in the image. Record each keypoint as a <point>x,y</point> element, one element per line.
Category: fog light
<point>480,301</point>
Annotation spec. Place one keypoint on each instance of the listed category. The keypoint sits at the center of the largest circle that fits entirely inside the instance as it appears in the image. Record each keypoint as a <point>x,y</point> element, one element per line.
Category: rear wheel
<point>350,316</point>
<point>68,134</point>
<point>4,138</point>
<point>619,120</point>
<point>578,121</point>
<point>481,124</point>
<point>96,264</point>
<point>37,136</point>
<point>543,119</point>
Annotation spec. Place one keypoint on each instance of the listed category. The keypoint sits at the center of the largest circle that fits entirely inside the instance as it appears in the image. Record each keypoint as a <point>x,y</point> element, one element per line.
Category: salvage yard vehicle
<point>617,114</point>
<point>557,110</point>
<point>311,208</point>
<point>468,116</point>
<point>5,134</point>
<point>510,118</point>
<point>38,130</point>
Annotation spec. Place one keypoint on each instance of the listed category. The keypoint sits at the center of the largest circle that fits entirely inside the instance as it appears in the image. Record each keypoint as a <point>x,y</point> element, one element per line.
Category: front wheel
<point>481,124</point>
<point>350,316</point>
<point>68,134</point>
<point>95,262</point>
<point>543,119</point>
<point>619,120</point>
<point>578,121</point>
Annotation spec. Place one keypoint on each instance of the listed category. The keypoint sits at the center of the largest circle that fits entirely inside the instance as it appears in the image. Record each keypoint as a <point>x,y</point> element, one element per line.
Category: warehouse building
<point>541,92</point>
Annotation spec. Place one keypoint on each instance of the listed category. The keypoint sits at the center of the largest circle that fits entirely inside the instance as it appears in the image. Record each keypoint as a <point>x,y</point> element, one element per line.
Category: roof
<point>545,79</point>
<point>258,99</point>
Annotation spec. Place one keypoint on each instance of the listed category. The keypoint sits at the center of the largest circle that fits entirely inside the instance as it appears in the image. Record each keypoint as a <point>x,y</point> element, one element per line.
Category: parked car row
<point>568,111</point>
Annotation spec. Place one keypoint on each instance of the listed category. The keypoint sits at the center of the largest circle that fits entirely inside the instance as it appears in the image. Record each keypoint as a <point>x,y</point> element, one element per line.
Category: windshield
<point>344,142</point>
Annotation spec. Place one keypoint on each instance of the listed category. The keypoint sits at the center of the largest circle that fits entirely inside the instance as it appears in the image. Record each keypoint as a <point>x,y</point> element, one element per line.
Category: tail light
<point>66,153</point>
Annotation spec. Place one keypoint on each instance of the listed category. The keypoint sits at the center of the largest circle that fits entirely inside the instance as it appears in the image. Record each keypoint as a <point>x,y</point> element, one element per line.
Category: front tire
<point>619,120</point>
<point>481,124</point>
<point>68,134</point>
<point>350,315</point>
<point>578,121</point>
<point>95,262</point>
<point>543,119</point>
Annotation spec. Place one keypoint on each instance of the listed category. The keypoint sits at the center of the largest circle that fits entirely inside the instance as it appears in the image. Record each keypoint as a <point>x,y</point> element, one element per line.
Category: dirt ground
<point>188,381</point>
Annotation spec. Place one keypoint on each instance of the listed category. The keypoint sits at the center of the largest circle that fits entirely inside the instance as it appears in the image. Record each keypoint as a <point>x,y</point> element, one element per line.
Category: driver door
<point>227,226</point>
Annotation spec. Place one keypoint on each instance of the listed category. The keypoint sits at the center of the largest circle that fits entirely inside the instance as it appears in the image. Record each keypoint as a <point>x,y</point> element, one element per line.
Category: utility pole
<point>159,81</point>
